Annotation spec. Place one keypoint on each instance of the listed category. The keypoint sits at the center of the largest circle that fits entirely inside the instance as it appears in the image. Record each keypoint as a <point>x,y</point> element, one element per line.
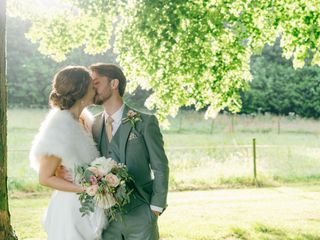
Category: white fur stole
<point>63,136</point>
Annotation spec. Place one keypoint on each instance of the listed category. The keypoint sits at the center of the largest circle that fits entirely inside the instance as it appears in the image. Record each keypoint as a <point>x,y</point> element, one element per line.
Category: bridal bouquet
<point>106,186</point>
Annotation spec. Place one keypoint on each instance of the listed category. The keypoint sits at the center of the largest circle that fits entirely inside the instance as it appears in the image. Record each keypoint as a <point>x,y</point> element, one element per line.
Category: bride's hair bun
<point>68,86</point>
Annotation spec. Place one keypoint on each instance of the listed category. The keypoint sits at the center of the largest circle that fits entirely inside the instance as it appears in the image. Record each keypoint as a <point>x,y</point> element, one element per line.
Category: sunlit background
<point>215,193</point>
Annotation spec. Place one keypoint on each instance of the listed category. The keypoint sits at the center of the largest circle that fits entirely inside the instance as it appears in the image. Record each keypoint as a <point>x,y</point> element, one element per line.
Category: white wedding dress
<point>61,135</point>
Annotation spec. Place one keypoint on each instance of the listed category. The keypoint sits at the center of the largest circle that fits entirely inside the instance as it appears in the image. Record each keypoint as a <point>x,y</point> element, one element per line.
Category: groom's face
<point>103,88</point>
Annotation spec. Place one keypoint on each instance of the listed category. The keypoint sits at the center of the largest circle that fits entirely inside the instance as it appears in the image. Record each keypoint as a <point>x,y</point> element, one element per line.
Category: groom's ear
<point>115,83</point>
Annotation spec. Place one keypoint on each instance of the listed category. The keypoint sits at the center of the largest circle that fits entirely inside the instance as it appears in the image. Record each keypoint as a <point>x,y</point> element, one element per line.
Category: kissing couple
<point>70,136</point>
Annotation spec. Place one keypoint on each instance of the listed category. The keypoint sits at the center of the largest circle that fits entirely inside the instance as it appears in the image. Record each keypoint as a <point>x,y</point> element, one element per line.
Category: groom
<point>132,138</point>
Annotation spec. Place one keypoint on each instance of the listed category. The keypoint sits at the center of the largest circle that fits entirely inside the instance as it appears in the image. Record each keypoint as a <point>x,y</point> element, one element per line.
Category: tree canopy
<point>188,52</point>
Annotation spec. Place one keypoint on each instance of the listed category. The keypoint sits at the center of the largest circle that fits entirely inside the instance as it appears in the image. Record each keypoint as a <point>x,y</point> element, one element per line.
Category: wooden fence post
<point>254,160</point>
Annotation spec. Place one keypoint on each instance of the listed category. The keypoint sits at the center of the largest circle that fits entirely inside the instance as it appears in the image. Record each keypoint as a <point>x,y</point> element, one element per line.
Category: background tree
<point>188,52</point>
<point>30,73</point>
<point>6,231</point>
<point>280,89</point>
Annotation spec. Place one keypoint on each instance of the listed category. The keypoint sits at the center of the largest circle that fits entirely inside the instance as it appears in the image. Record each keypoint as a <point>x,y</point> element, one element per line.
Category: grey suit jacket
<point>144,155</point>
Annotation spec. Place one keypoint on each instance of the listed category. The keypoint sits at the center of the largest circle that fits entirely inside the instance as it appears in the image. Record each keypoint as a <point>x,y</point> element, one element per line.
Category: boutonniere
<point>133,117</point>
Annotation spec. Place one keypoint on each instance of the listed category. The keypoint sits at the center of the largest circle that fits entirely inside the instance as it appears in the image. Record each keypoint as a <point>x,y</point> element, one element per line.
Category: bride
<point>63,140</point>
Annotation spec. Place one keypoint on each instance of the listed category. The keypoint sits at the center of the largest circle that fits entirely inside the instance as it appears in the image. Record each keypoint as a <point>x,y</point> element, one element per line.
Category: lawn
<point>203,154</point>
<point>214,159</point>
<point>282,213</point>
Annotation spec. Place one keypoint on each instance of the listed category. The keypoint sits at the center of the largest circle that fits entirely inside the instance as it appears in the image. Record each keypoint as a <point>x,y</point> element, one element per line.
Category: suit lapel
<point>125,129</point>
<point>97,130</point>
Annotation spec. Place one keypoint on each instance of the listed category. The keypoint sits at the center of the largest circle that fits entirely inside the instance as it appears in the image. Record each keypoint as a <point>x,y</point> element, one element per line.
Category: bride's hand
<point>63,173</point>
<point>52,175</point>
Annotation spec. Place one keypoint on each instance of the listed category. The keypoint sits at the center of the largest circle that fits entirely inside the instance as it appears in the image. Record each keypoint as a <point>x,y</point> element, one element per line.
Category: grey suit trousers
<point>138,224</point>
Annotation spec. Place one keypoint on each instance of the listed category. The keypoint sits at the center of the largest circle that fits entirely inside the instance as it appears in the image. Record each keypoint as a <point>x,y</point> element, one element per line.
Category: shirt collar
<point>117,115</point>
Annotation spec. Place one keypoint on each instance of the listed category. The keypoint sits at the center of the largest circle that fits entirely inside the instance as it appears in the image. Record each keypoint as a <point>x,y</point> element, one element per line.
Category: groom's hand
<point>63,173</point>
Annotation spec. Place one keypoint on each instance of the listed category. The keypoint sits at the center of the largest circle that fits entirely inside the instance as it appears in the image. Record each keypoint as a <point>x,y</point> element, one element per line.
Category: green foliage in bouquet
<point>107,185</point>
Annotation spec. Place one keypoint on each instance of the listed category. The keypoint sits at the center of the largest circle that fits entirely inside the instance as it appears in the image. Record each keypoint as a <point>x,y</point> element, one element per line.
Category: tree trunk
<point>6,231</point>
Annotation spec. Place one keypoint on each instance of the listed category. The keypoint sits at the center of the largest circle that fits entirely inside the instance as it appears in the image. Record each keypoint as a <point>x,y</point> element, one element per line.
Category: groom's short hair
<point>111,71</point>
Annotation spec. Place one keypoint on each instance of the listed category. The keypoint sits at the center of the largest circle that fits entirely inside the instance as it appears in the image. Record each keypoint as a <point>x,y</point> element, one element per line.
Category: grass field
<point>284,213</point>
<point>203,154</point>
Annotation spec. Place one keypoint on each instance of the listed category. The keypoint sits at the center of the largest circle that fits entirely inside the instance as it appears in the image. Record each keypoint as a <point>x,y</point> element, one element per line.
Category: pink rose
<point>92,190</point>
<point>93,180</point>
<point>112,180</point>
<point>94,170</point>
<point>131,113</point>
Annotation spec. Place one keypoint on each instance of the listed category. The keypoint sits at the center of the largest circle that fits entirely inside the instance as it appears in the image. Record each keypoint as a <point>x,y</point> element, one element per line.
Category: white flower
<point>98,161</point>
<point>104,165</point>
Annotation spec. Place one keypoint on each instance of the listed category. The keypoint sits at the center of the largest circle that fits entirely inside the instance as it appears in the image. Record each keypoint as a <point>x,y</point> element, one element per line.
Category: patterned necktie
<point>109,128</point>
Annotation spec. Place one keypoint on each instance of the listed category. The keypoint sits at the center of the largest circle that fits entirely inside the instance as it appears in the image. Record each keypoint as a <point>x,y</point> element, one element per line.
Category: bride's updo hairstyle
<point>69,85</point>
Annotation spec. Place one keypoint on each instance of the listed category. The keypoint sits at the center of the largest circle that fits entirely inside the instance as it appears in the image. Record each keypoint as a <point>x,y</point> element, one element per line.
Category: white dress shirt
<point>117,119</point>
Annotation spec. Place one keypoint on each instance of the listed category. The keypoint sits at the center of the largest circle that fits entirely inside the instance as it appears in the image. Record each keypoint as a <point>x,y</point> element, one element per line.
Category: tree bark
<point>6,231</point>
